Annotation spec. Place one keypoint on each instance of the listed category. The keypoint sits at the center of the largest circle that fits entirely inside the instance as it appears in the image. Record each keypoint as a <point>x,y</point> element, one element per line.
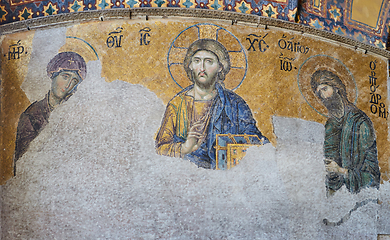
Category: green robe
<point>351,143</point>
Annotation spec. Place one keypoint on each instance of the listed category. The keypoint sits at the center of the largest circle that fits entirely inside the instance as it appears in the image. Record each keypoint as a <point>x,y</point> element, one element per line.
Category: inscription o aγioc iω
<point>292,46</point>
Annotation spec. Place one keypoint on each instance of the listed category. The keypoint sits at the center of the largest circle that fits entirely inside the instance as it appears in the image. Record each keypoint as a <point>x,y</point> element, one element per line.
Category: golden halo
<point>179,46</point>
<point>324,62</point>
<point>80,46</point>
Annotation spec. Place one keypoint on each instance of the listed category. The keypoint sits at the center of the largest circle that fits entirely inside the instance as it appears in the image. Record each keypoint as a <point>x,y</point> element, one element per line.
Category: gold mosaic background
<point>267,88</point>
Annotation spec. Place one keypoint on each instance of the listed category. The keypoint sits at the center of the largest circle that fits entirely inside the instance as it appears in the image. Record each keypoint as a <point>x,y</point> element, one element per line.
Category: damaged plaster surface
<point>36,82</point>
<point>93,173</point>
<point>299,155</point>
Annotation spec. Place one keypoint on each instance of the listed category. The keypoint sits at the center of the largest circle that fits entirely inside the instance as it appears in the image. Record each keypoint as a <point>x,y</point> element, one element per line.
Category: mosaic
<point>365,21</point>
<point>21,10</point>
<point>362,20</point>
<point>221,86</point>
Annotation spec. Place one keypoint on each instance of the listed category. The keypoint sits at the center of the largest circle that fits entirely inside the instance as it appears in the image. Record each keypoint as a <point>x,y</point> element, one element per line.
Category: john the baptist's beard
<point>334,104</point>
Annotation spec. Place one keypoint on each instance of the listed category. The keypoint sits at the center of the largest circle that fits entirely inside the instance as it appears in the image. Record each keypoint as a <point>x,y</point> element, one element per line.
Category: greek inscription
<point>293,46</point>
<point>15,51</point>
<point>286,63</point>
<point>144,38</point>
<point>373,65</point>
<point>374,108</point>
<point>115,38</point>
<point>377,106</point>
<point>382,111</point>
<point>372,78</point>
<point>375,98</point>
<point>261,45</point>
<point>286,66</point>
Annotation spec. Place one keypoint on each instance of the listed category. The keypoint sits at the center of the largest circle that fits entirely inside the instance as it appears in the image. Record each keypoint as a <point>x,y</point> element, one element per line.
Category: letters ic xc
<point>257,42</point>
<point>144,35</point>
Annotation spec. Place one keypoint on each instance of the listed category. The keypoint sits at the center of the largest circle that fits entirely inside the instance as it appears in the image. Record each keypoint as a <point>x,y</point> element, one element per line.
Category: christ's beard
<point>334,104</point>
<point>203,85</point>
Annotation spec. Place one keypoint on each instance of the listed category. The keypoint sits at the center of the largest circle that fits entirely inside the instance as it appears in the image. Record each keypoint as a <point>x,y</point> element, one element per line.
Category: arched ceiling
<point>364,20</point>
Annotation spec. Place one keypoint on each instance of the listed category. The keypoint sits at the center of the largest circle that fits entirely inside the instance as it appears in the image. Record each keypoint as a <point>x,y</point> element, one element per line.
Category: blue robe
<point>351,143</point>
<point>229,114</point>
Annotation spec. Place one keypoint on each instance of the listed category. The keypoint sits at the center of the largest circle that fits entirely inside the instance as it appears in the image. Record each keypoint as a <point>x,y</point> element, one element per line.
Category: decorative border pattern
<point>335,16</point>
<point>385,8</point>
<point>18,10</point>
<point>317,7</point>
<point>145,13</point>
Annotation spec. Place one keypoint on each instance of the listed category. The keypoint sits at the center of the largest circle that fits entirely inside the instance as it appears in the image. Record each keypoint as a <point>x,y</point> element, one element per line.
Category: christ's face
<point>64,83</point>
<point>205,67</point>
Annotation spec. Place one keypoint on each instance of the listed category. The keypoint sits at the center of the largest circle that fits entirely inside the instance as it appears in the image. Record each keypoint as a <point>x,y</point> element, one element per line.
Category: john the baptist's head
<point>330,90</point>
<point>207,61</point>
<point>66,71</point>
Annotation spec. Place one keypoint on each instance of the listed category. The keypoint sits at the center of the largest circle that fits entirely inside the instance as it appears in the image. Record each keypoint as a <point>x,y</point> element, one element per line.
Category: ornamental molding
<point>66,19</point>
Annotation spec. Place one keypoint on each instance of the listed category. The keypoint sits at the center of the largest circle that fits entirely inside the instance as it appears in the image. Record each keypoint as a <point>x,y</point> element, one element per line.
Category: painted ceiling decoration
<point>364,20</point>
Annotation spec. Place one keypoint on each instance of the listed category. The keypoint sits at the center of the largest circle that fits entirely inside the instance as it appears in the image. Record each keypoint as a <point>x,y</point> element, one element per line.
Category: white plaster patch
<point>300,162</point>
<point>44,48</point>
<point>93,173</point>
<point>384,210</point>
<point>296,130</point>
